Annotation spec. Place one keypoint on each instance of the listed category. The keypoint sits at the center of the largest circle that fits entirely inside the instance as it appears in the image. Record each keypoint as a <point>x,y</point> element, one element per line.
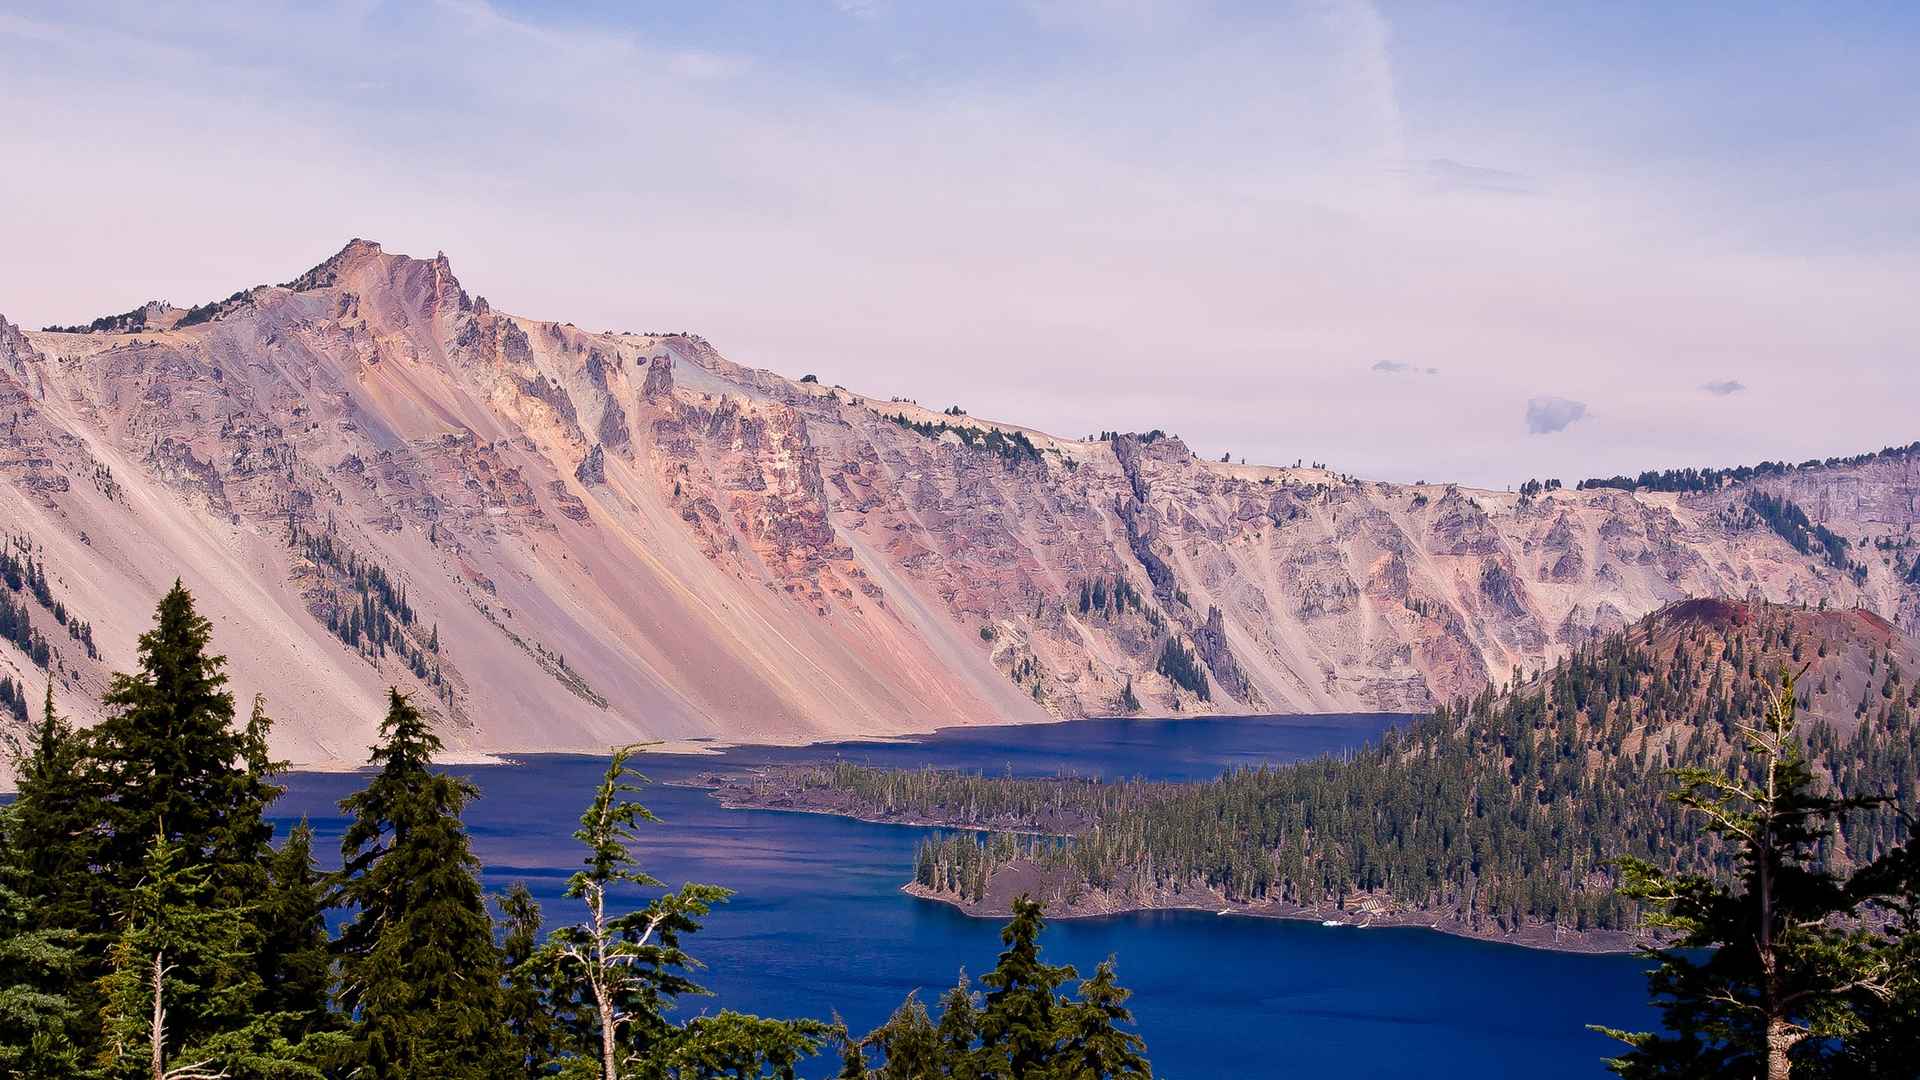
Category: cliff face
<point>561,539</point>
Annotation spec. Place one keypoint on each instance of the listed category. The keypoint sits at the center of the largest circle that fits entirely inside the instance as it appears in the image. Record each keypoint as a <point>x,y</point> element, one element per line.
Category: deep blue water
<point>818,922</point>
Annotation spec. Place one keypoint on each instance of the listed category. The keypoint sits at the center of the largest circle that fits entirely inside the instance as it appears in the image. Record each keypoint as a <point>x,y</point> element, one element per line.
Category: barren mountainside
<point>559,539</point>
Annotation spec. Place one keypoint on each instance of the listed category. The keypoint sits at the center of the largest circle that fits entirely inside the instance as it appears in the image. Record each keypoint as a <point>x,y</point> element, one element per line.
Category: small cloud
<point>1400,367</point>
<point>1724,387</point>
<point>1446,175</point>
<point>1546,415</point>
<point>859,9</point>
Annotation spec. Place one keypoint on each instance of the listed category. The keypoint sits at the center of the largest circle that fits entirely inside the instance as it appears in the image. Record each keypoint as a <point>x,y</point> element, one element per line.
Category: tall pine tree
<point>295,964</point>
<point>1020,1029</point>
<point>49,899</point>
<point>421,974</point>
<point>172,759</point>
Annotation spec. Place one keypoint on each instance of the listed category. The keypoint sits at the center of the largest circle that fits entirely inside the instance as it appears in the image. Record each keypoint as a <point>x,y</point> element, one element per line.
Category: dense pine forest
<point>153,926</point>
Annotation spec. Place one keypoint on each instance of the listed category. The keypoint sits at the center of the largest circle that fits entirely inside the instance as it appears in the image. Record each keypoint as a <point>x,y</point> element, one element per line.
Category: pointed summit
<point>328,273</point>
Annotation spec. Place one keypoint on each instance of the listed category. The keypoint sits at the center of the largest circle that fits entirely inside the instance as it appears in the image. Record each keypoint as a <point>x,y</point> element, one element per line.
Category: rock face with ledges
<point>607,536</point>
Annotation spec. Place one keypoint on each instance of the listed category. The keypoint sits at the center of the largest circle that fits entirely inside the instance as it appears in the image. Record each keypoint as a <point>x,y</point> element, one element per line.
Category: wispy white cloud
<point>1448,175</point>
<point>1401,367</point>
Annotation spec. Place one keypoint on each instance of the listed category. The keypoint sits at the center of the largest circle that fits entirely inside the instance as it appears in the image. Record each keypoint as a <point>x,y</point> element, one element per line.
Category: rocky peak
<point>327,273</point>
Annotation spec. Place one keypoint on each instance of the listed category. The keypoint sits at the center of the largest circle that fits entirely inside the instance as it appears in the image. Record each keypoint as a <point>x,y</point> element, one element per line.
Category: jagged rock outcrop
<point>594,537</point>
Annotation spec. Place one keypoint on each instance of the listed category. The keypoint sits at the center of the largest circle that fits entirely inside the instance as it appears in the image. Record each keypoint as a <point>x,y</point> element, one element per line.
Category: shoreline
<point>1539,938</point>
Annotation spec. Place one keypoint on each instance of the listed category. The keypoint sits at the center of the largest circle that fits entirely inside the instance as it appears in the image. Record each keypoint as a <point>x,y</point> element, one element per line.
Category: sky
<point>1442,241</point>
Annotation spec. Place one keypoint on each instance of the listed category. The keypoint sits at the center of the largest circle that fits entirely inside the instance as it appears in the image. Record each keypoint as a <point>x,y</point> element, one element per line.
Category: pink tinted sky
<point>1414,242</point>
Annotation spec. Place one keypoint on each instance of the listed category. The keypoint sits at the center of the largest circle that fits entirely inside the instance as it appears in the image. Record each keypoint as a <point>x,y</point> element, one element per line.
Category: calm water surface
<point>819,923</point>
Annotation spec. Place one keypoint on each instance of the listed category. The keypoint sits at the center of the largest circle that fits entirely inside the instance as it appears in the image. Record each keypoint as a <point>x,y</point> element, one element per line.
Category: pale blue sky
<point>1256,225</point>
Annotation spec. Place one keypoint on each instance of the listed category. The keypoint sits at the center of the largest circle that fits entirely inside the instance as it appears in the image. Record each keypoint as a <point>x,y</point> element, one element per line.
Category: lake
<point>818,922</point>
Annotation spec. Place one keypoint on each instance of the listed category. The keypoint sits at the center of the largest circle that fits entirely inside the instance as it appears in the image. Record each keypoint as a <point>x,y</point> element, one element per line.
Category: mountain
<point>560,539</point>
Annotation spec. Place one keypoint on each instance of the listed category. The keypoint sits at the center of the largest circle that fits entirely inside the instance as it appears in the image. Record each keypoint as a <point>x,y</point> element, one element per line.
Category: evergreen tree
<point>1096,1047</point>
<point>41,1022</point>
<point>617,975</point>
<point>529,1023</point>
<point>421,975</point>
<point>170,754</point>
<point>958,1028</point>
<point>1026,1029</point>
<point>295,964</point>
<point>49,901</point>
<point>177,952</point>
<point>732,1045</point>
<point>909,1045</point>
<point>1884,1043</point>
<point>173,767</point>
<point>1789,963</point>
<point>1020,1027</point>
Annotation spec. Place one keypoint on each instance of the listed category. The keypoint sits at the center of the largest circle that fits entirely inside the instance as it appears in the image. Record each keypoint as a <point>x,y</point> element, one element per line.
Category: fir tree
<point>1096,1047</point>
<point>171,756</point>
<point>958,1028</point>
<point>173,767</point>
<point>528,1021</point>
<point>176,765</point>
<point>177,952</point>
<point>41,1022</point>
<point>54,835</point>
<point>421,975</point>
<point>909,1045</point>
<point>295,965</point>
<point>1020,1027</point>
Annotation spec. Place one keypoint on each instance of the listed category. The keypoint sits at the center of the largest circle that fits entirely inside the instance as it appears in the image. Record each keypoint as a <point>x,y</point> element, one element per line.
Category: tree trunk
<point>1781,1037</point>
<point>607,1069</point>
<point>157,1034</point>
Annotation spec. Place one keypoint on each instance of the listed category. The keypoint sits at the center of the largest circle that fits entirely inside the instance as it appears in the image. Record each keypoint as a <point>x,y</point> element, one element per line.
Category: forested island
<point>1502,817</point>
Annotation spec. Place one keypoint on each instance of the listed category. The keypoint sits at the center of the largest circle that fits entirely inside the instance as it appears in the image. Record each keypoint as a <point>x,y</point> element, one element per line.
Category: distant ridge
<point>557,539</point>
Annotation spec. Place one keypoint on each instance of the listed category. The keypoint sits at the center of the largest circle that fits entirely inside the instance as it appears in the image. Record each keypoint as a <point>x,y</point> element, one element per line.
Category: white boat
<point>1333,922</point>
